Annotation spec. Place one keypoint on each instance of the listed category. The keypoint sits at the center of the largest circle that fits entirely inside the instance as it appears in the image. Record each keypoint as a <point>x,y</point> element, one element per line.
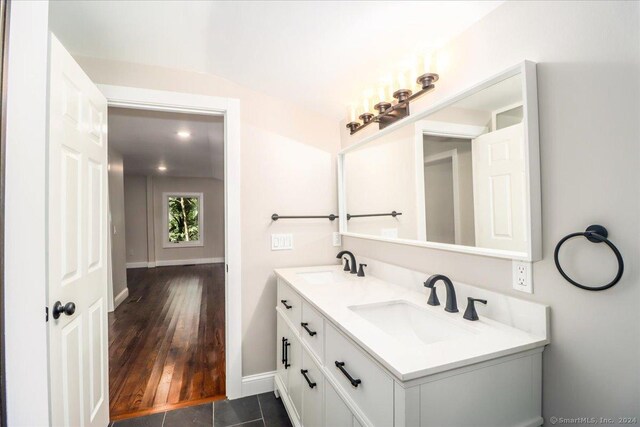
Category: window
<point>182,219</point>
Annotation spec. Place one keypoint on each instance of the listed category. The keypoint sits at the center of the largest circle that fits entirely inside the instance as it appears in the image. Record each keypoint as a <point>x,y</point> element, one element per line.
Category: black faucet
<point>470,313</point>
<point>353,260</point>
<point>452,303</point>
<point>361,270</point>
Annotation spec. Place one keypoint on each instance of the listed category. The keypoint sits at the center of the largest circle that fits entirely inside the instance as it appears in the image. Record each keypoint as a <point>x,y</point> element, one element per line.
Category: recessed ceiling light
<point>162,168</point>
<point>184,134</point>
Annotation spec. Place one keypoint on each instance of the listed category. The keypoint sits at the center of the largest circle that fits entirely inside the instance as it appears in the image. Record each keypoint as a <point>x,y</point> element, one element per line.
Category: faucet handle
<point>470,313</point>
<point>433,297</point>
<point>361,270</point>
<point>347,267</point>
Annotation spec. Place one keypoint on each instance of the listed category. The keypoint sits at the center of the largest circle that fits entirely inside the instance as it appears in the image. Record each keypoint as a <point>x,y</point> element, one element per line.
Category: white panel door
<point>500,193</point>
<point>77,241</point>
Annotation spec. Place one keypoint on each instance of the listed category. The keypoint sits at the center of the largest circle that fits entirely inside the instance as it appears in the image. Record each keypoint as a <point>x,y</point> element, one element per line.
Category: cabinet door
<point>336,412</point>
<point>294,356</point>
<point>283,335</point>
<point>312,393</point>
<point>374,392</point>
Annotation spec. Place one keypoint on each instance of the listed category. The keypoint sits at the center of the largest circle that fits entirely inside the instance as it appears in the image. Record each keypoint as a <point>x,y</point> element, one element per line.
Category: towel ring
<point>595,234</point>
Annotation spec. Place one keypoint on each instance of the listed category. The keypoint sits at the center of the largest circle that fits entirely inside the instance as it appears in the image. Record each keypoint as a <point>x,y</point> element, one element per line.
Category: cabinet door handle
<point>283,359</point>
<point>284,302</point>
<point>354,381</point>
<point>286,354</point>
<point>304,374</point>
<point>305,326</point>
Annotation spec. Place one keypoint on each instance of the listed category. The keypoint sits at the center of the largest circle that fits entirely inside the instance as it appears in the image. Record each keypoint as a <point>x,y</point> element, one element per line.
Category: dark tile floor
<point>262,410</point>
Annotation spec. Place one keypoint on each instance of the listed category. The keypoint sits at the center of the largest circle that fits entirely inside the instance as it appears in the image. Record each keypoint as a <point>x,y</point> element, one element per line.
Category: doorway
<point>166,323</point>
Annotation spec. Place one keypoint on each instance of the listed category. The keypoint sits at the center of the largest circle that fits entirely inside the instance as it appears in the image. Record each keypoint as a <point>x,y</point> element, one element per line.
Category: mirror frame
<point>532,166</point>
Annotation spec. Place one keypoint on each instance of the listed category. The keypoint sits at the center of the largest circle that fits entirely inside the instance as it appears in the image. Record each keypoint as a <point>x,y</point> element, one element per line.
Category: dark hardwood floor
<point>166,340</point>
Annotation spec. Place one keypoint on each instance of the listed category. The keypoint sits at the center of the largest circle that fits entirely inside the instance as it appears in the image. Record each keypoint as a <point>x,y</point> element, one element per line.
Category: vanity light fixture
<point>184,134</point>
<point>162,168</point>
<point>391,112</point>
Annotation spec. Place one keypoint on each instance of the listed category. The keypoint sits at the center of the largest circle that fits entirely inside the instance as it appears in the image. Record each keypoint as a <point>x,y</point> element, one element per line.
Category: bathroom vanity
<point>360,351</point>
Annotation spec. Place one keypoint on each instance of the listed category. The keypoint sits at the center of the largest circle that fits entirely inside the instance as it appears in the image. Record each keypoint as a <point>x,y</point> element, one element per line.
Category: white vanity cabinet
<point>325,378</point>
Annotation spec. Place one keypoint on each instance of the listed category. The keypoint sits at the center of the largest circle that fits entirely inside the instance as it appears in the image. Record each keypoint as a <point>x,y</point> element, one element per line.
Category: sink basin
<point>321,277</point>
<point>409,323</point>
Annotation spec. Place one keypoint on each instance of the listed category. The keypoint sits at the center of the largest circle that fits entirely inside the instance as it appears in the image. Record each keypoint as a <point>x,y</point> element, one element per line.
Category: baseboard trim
<point>259,383</point>
<point>189,261</point>
<point>120,297</point>
<point>165,263</point>
<point>141,264</point>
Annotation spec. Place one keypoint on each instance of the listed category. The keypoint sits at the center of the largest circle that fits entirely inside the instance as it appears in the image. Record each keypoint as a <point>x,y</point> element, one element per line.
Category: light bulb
<point>381,93</point>
<point>352,113</point>
<point>184,134</point>
<point>162,168</point>
<point>413,73</point>
<point>402,84</point>
<point>427,63</point>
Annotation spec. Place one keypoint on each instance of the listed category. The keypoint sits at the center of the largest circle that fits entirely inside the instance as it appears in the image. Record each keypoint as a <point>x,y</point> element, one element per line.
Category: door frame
<point>178,102</point>
<point>453,155</point>
<point>434,128</point>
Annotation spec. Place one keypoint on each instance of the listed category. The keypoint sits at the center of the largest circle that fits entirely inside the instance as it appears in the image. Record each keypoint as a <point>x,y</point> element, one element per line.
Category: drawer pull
<point>354,381</point>
<point>286,354</point>
<point>287,306</point>
<point>304,374</point>
<point>305,326</point>
<point>284,342</point>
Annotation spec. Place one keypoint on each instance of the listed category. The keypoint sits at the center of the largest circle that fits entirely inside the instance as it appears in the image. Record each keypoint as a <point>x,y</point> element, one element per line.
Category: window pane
<point>183,219</point>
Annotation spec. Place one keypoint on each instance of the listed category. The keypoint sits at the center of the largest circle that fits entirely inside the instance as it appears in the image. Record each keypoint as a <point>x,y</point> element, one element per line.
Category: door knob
<point>68,309</point>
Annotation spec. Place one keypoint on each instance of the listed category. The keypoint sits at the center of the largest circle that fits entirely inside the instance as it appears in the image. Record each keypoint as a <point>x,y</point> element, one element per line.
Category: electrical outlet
<point>523,276</point>
<point>337,238</point>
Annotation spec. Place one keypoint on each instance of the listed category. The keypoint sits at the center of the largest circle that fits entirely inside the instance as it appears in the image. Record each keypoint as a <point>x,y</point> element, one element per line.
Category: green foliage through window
<point>183,219</point>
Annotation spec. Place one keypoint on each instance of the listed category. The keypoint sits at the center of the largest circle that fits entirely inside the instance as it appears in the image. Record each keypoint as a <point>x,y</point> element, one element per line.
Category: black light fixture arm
<point>390,113</point>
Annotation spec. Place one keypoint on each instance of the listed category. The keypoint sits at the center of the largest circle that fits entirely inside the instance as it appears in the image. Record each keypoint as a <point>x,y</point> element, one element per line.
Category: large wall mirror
<point>461,176</point>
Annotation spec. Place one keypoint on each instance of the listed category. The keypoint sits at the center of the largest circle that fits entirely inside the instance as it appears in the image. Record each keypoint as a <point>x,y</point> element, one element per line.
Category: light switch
<point>337,238</point>
<point>281,242</point>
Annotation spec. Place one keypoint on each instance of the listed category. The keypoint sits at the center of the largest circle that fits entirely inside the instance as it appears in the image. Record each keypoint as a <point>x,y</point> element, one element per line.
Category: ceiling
<point>147,139</point>
<point>318,54</point>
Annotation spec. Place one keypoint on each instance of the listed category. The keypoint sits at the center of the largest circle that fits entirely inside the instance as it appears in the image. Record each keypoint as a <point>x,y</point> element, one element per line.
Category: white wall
<point>135,208</point>
<point>588,58</point>
<point>116,208</point>
<point>212,214</point>
<point>288,167</point>
<point>25,235</point>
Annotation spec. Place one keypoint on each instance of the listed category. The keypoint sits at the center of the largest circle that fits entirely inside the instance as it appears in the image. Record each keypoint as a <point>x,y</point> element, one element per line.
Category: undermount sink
<point>409,323</point>
<point>321,277</point>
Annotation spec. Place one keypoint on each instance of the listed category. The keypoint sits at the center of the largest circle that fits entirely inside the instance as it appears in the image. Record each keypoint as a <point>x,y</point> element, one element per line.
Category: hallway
<point>166,340</point>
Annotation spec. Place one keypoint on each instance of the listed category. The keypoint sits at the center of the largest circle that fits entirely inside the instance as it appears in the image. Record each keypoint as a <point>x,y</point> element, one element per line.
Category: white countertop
<point>488,339</point>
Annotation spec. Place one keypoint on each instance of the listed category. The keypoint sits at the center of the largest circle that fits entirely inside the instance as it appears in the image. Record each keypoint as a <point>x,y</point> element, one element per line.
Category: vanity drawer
<point>374,392</point>
<point>312,392</point>
<point>312,330</point>
<point>290,303</point>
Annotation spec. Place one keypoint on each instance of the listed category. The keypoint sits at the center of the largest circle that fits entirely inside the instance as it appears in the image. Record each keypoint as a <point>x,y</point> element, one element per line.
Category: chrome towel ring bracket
<point>595,234</point>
